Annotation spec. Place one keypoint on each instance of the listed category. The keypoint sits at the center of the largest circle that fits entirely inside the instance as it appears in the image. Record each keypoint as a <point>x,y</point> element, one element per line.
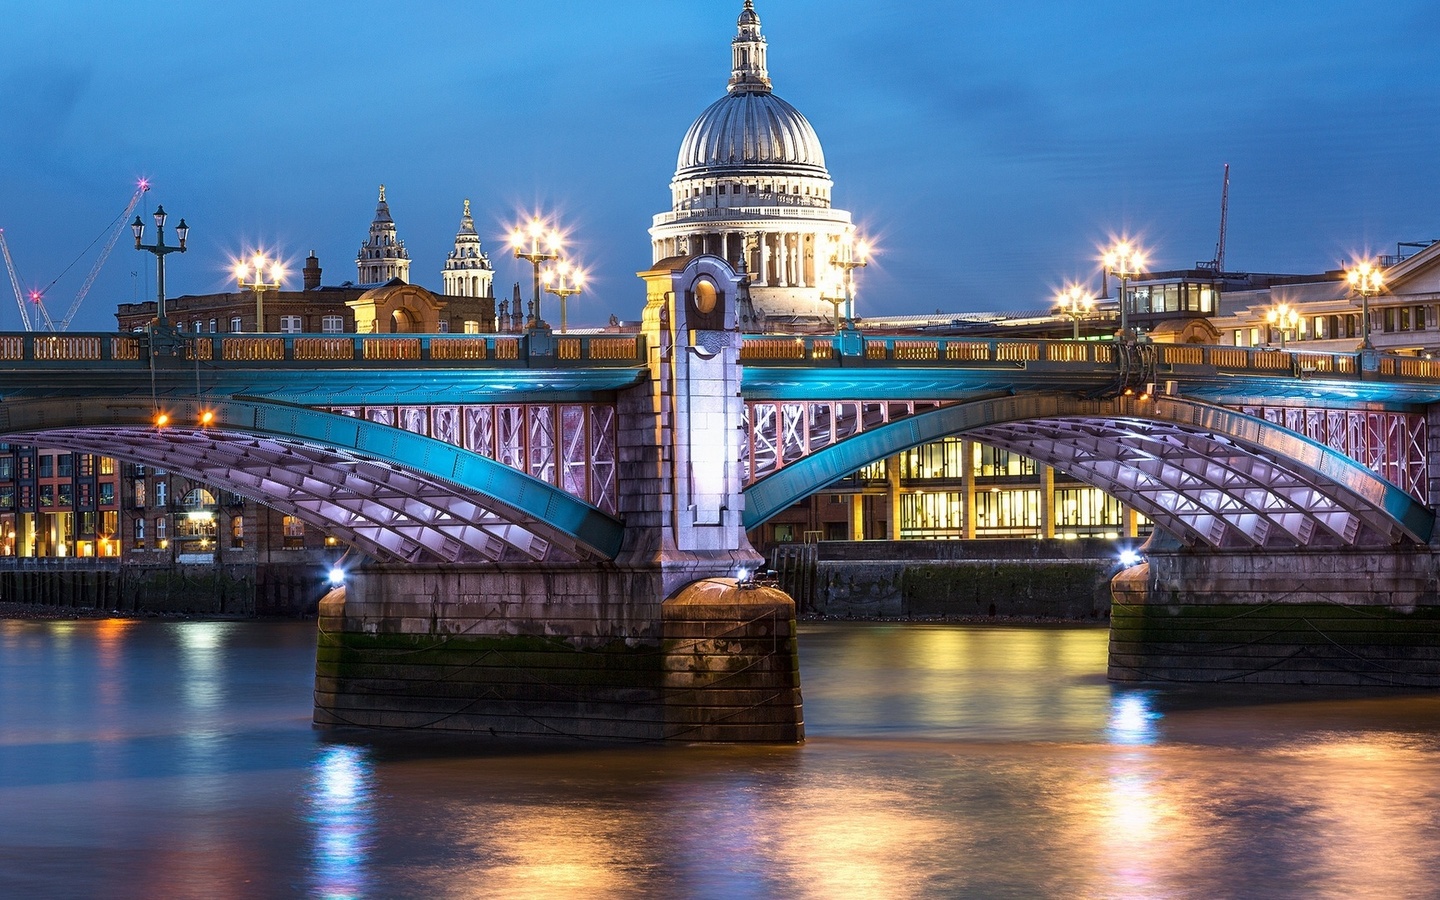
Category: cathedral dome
<point>749,129</point>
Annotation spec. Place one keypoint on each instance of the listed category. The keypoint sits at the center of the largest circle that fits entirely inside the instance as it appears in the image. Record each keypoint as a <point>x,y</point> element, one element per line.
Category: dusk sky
<point>988,148</point>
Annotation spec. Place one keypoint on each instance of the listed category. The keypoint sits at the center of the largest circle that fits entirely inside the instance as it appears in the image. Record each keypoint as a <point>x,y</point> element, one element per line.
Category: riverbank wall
<point>241,591</point>
<point>1045,579</point>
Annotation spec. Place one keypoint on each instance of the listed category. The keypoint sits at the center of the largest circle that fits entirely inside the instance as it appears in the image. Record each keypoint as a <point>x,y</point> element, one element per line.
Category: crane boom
<point>1224,214</point>
<point>115,232</point>
<point>14,281</point>
<point>1217,263</point>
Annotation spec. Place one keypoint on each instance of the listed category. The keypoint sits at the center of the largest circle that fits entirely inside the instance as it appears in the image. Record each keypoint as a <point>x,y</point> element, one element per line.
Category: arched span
<point>1208,474</point>
<point>392,493</point>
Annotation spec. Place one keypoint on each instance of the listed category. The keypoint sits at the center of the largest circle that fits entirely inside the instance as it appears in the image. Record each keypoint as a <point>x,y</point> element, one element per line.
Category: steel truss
<point>386,511</point>
<point>1194,483</point>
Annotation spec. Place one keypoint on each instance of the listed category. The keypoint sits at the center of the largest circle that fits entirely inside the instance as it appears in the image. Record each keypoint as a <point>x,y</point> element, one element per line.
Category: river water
<point>176,759</point>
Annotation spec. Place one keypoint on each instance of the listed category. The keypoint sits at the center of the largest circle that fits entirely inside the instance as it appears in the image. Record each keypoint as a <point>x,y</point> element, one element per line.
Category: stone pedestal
<point>1338,617</point>
<point>731,664</point>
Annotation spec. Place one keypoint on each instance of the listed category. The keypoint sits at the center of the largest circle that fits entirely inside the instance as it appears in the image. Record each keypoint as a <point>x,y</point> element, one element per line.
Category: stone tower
<point>467,271</point>
<point>383,256</point>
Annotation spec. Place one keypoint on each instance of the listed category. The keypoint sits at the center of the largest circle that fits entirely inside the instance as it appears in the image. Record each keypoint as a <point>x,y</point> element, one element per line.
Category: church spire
<point>747,51</point>
<point>383,256</point>
<point>467,271</point>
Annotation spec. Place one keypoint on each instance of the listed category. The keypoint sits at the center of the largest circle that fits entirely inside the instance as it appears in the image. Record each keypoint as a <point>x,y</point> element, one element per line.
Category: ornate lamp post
<point>853,256</point>
<point>1124,261</point>
<point>1366,280</point>
<point>527,243</point>
<point>256,282</point>
<point>182,231</point>
<point>1285,318</point>
<point>564,282</point>
<point>834,294</point>
<point>1076,303</point>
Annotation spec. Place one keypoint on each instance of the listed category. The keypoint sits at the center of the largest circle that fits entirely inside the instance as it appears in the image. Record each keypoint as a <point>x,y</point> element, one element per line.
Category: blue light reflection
<point>1132,719</point>
<point>341,783</point>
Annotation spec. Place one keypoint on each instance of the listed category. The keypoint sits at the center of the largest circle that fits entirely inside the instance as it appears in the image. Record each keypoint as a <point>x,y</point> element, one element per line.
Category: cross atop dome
<point>747,50</point>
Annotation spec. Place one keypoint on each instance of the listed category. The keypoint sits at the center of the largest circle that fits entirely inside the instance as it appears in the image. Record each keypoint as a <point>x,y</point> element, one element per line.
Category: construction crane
<point>116,228</point>
<point>37,298</point>
<point>14,281</point>
<point>1217,265</point>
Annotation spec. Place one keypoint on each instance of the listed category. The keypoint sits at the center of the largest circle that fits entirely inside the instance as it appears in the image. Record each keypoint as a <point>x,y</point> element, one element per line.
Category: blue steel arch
<point>439,500</point>
<point>1205,467</point>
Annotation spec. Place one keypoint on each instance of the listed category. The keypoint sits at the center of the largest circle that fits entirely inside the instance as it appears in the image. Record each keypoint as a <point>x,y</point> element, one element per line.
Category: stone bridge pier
<point>667,641</point>
<point>1341,616</point>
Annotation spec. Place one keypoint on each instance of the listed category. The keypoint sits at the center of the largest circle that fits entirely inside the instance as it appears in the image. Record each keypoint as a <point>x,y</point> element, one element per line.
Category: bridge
<point>551,517</point>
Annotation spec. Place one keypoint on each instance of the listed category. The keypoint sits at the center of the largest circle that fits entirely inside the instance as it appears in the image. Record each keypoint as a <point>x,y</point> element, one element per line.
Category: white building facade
<point>1404,315</point>
<point>751,187</point>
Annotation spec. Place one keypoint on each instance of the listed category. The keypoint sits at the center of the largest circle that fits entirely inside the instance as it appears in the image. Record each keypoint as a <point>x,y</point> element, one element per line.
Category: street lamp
<point>1077,303</point>
<point>256,282</point>
<point>1125,261</point>
<point>564,282</point>
<point>834,294</point>
<point>1285,317</point>
<point>855,256</point>
<point>182,231</point>
<point>1367,280</point>
<point>527,242</point>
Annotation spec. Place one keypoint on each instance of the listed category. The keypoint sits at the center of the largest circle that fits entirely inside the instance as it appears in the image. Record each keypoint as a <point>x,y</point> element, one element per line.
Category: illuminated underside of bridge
<point>394,495</point>
<point>1209,475</point>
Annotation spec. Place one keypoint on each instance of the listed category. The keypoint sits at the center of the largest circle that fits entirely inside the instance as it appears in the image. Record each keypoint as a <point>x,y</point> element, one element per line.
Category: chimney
<point>312,272</point>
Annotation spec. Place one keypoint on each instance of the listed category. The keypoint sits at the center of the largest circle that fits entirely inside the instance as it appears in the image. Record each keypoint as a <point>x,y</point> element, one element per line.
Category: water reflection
<point>1132,719</point>
<point>341,782</point>
<point>943,762</point>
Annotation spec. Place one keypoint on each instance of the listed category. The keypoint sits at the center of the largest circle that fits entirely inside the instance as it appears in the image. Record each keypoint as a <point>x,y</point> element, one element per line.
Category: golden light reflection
<point>558,850</point>
<point>853,839</point>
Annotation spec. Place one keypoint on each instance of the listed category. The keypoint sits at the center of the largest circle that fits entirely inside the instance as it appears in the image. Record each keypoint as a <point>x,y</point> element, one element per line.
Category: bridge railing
<point>949,352</point>
<point>468,350</point>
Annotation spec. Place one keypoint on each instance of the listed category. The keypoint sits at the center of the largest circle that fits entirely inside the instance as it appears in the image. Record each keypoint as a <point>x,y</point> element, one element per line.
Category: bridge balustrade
<point>124,347</point>
<point>1409,367</point>
<point>68,347</point>
<point>583,350</point>
<point>252,349</point>
<point>763,349</point>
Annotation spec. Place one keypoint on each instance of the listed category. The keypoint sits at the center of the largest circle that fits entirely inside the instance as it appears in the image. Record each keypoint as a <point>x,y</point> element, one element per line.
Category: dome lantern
<point>747,50</point>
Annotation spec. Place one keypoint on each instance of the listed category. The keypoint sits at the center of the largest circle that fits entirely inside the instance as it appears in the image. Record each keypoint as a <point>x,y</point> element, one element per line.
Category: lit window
<point>235,324</point>
<point>294,531</point>
<point>472,326</point>
<point>290,324</point>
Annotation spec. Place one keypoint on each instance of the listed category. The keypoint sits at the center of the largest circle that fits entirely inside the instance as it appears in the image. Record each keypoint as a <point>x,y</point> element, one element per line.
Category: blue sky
<point>989,148</point>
